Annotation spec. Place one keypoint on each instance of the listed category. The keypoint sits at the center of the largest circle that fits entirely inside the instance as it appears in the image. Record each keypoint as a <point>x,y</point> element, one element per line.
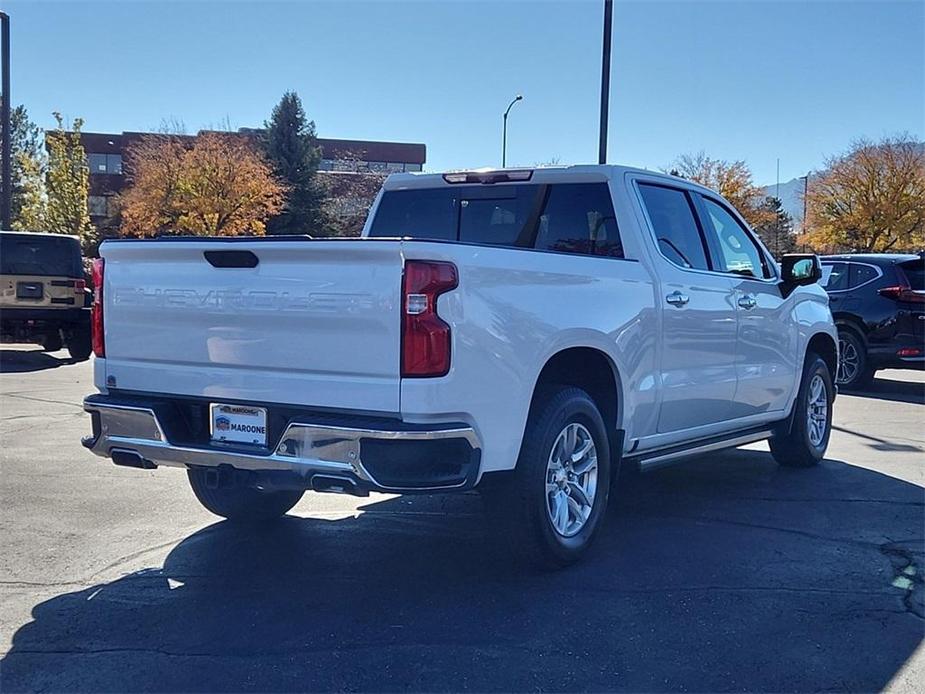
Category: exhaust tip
<point>134,459</point>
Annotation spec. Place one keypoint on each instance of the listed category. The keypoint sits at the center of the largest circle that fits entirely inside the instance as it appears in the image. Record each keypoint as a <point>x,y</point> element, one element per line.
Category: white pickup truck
<point>525,332</point>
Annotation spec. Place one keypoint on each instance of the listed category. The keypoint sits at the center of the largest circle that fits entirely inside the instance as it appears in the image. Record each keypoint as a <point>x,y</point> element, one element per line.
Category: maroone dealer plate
<point>239,424</point>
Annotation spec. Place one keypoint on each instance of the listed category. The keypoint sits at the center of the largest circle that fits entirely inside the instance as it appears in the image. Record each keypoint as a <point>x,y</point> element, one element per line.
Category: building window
<point>412,167</point>
<point>98,205</point>
<point>105,163</point>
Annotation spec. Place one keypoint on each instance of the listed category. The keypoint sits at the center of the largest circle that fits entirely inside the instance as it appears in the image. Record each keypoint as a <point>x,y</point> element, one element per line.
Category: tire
<point>80,345</point>
<point>804,445</point>
<point>853,371</point>
<point>52,342</point>
<point>524,504</point>
<point>239,503</point>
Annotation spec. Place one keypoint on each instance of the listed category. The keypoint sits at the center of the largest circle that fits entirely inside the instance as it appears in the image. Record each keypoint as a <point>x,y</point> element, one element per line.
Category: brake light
<point>903,293</point>
<point>425,337</point>
<point>96,311</point>
<point>909,352</point>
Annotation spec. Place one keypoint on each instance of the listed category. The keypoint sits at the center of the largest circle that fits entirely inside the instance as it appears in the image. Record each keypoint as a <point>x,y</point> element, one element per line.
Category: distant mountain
<point>791,199</point>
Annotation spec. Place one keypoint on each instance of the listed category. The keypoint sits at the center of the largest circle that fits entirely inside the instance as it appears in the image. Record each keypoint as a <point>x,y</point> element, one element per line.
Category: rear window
<point>914,270</point>
<point>41,255</point>
<point>565,218</point>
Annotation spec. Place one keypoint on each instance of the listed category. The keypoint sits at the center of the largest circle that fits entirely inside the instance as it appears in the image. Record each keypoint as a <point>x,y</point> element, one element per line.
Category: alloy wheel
<point>817,411</point>
<point>849,362</point>
<point>571,479</point>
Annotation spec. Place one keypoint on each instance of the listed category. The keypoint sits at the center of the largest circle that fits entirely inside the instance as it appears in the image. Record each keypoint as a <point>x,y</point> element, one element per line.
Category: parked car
<point>523,331</point>
<point>878,301</point>
<point>43,295</point>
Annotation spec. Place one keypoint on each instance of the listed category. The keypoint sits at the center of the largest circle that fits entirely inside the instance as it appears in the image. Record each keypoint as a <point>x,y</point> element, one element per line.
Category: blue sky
<point>740,80</point>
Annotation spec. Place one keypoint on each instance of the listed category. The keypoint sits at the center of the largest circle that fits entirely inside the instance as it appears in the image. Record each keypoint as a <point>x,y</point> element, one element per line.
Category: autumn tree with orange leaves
<point>217,184</point>
<point>871,198</point>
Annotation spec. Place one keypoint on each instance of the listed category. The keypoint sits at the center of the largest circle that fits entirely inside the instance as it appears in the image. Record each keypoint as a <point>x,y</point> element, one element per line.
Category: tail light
<point>909,352</point>
<point>96,312</point>
<point>425,337</point>
<point>903,293</point>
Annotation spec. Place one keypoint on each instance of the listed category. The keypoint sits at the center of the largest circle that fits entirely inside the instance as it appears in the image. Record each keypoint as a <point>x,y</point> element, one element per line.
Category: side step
<point>652,460</point>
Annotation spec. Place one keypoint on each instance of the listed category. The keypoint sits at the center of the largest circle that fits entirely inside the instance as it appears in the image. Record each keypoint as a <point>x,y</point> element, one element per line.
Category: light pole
<point>5,154</point>
<point>517,98</point>
<point>605,82</point>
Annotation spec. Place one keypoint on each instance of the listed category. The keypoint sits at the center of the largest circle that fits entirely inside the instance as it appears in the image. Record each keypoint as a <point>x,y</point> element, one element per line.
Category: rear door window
<point>676,231</point>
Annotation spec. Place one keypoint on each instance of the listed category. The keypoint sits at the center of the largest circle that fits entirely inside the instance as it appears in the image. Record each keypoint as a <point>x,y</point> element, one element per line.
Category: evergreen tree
<point>291,146</point>
<point>67,181</point>
<point>776,230</point>
<point>27,171</point>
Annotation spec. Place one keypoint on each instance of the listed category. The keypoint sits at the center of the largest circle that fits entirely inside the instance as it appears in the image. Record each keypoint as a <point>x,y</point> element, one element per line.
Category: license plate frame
<point>238,424</point>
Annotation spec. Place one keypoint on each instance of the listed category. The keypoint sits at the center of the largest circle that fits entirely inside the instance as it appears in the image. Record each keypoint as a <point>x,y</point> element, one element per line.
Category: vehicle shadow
<point>23,361</point>
<point>725,573</point>
<point>883,388</point>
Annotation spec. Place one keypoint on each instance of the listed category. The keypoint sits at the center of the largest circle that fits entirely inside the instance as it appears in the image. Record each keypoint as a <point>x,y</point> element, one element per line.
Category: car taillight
<point>425,337</point>
<point>909,352</point>
<point>96,312</point>
<point>903,293</point>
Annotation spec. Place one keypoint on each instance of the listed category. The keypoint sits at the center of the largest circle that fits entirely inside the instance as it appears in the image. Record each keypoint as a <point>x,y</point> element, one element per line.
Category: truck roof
<point>541,174</point>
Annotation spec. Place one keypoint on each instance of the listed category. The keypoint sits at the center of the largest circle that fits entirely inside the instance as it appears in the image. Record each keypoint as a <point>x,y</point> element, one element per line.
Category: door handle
<point>677,299</point>
<point>747,302</point>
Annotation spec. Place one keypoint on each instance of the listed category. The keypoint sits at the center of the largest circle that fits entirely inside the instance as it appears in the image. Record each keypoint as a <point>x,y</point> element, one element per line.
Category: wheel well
<point>588,369</point>
<point>825,347</point>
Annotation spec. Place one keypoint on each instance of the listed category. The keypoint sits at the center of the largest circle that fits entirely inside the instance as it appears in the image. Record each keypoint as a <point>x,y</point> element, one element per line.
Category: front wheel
<point>240,503</point>
<point>804,445</point>
<point>553,505</point>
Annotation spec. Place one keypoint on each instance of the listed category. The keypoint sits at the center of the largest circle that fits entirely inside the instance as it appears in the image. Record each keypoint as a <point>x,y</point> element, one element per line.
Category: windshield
<point>40,255</point>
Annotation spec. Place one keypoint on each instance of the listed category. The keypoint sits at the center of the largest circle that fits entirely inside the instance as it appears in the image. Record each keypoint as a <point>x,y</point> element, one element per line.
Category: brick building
<point>105,153</point>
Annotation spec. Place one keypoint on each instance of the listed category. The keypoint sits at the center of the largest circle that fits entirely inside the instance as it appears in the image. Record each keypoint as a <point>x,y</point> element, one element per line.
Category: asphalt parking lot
<point>723,573</point>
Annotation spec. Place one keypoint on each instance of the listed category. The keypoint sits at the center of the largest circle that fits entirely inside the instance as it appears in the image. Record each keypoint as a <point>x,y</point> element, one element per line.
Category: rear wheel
<point>853,369</point>
<point>240,503</point>
<point>804,445</point>
<point>52,342</point>
<point>79,345</point>
<point>553,505</point>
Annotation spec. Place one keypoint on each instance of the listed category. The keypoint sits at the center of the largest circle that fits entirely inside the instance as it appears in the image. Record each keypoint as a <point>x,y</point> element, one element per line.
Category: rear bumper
<point>323,455</point>
<point>888,357</point>
<point>55,316</point>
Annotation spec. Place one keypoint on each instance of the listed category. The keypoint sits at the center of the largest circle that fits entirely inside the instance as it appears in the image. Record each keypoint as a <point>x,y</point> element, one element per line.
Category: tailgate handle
<point>231,258</point>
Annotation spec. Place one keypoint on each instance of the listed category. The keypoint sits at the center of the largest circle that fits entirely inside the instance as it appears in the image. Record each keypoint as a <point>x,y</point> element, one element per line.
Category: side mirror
<point>799,270</point>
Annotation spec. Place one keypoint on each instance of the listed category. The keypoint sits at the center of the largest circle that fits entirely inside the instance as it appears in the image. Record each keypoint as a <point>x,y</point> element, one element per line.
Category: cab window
<point>738,252</point>
<point>675,227</point>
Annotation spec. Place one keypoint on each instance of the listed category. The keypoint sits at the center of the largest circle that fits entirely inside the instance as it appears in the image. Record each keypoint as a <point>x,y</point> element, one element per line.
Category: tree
<point>27,169</point>
<point>872,198</point>
<point>216,185</point>
<point>290,145</point>
<point>732,180</point>
<point>776,232</point>
<point>67,181</point>
<point>348,195</point>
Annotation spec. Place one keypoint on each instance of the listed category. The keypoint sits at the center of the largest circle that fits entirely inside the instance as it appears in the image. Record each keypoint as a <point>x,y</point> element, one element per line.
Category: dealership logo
<point>222,423</point>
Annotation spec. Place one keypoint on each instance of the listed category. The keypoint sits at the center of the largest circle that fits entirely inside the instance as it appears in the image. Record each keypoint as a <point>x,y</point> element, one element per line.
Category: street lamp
<point>5,154</point>
<point>517,98</point>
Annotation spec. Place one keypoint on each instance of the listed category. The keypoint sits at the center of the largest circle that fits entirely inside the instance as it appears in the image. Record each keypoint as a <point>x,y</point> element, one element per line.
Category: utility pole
<point>605,81</point>
<point>6,154</point>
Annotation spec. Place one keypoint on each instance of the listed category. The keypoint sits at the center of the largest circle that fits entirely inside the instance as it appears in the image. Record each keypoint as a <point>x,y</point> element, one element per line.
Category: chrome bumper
<point>306,449</point>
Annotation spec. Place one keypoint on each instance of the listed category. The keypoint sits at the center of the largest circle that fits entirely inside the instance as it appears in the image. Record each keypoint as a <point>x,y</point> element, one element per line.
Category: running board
<point>652,460</point>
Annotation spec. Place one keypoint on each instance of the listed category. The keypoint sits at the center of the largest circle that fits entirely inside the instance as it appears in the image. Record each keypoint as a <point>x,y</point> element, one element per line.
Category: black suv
<point>878,302</point>
<point>43,294</point>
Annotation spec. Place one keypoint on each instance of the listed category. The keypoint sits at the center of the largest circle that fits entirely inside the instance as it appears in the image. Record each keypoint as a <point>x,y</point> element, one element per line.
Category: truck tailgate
<point>313,323</point>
